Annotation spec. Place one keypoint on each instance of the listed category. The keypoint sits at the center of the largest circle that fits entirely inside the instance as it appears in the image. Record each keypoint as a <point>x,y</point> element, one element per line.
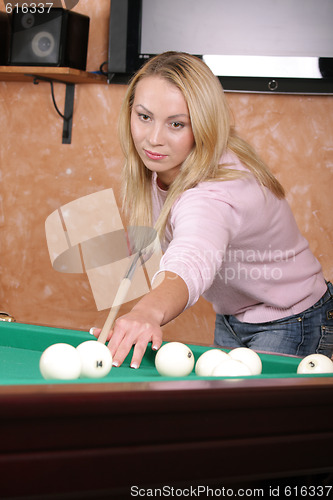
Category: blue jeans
<point>308,332</point>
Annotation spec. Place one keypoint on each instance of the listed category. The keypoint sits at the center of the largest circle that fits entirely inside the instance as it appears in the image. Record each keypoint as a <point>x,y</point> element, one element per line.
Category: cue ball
<point>60,361</point>
<point>208,360</point>
<point>174,359</point>
<point>231,368</point>
<point>315,363</point>
<point>249,357</point>
<point>96,359</point>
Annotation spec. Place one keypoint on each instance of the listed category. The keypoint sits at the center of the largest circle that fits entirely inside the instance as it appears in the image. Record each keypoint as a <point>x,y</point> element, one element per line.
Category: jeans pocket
<point>325,345</point>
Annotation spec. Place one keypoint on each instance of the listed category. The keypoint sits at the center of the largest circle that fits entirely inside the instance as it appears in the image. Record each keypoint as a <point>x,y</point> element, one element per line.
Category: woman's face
<point>161,127</point>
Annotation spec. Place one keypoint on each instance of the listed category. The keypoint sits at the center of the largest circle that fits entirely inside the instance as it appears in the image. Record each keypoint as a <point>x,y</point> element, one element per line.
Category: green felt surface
<point>21,347</point>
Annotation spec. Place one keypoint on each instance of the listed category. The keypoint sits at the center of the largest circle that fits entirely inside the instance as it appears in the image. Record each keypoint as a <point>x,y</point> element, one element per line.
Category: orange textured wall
<point>38,174</point>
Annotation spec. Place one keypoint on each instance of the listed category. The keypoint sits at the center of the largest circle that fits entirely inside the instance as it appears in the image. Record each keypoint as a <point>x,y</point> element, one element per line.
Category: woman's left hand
<point>134,328</point>
<point>143,323</point>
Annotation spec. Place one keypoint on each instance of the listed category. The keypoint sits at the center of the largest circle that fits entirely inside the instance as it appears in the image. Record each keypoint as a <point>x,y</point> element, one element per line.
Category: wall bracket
<point>67,116</point>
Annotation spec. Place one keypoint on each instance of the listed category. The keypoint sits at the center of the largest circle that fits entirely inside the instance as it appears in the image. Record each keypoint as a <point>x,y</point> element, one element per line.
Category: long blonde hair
<point>213,135</point>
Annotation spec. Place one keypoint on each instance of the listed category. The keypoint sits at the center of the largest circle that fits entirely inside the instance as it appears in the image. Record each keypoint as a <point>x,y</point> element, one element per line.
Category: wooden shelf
<point>65,75</point>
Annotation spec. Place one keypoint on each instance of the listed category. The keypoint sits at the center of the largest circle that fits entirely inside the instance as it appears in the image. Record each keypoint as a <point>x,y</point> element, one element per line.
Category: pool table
<point>98,438</point>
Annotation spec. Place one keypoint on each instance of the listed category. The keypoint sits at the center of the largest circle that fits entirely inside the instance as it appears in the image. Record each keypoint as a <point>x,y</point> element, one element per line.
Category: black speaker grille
<point>55,38</point>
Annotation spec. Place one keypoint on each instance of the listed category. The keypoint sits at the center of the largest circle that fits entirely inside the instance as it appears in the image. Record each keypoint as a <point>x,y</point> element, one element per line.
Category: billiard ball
<point>315,363</point>
<point>231,368</point>
<point>174,359</point>
<point>208,360</point>
<point>249,357</point>
<point>96,359</point>
<point>60,361</point>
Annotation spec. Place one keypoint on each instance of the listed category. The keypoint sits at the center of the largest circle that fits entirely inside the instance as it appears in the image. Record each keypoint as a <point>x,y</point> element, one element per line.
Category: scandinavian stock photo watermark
<point>229,264</point>
<point>254,264</point>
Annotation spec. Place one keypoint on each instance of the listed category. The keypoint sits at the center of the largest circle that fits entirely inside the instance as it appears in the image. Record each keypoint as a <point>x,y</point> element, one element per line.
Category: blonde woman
<point>226,229</point>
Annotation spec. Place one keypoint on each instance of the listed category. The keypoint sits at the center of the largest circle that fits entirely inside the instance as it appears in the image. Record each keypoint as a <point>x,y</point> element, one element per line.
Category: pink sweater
<point>239,246</point>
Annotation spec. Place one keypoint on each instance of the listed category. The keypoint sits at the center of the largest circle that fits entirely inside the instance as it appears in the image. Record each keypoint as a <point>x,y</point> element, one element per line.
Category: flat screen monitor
<point>285,46</point>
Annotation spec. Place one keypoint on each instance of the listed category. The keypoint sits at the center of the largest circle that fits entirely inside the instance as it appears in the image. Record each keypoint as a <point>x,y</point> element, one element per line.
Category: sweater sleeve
<point>202,226</point>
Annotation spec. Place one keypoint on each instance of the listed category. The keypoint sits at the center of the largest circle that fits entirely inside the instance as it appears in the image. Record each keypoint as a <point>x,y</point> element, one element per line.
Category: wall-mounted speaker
<point>326,67</point>
<point>4,38</point>
<point>58,37</point>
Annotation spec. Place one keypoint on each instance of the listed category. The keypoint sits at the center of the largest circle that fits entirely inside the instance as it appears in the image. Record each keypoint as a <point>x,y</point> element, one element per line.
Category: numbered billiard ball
<point>208,360</point>
<point>231,368</point>
<point>315,363</point>
<point>60,361</point>
<point>96,359</point>
<point>174,359</point>
<point>249,357</point>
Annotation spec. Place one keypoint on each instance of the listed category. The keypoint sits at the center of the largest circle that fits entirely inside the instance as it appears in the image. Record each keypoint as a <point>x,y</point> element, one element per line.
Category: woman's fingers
<point>131,330</point>
<point>141,346</point>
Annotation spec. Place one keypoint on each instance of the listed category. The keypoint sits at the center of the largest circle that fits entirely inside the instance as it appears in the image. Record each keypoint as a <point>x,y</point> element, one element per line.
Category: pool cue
<point>119,299</point>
